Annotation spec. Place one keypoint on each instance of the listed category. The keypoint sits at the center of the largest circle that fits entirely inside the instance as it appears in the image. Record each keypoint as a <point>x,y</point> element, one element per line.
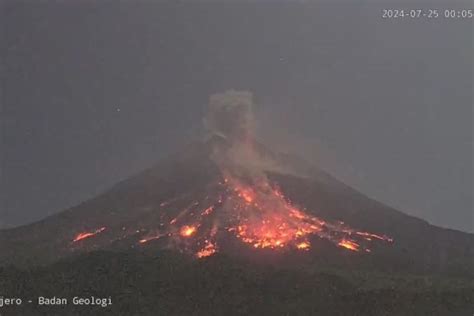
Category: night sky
<point>95,91</point>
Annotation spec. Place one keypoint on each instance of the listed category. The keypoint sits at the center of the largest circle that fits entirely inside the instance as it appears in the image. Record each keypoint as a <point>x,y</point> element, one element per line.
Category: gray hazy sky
<point>94,91</point>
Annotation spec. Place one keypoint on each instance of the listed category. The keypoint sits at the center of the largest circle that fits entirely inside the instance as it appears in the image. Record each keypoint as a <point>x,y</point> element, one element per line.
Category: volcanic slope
<point>293,213</point>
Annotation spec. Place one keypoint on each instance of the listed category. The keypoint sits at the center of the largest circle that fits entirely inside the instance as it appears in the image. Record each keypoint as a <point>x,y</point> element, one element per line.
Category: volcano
<point>231,194</point>
<point>229,226</point>
<point>200,205</point>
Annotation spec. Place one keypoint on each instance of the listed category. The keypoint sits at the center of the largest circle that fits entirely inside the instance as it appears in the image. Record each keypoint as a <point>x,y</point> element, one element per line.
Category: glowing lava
<point>208,250</point>
<point>303,245</point>
<point>265,218</point>
<point>258,214</point>
<point>369,236</point>
<point>86,235</point>
<point>207,211</point>
<point>187,231</point>
<point>349,244</point>
<point>247,194</point>
<point>255,212</point>
<point>150,238</point>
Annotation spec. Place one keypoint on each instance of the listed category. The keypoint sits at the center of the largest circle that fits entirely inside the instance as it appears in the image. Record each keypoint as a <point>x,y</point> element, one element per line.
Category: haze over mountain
<point>232,194</point>
<point>132,172</point>
<point>228,225</point>
<point>96,91</point>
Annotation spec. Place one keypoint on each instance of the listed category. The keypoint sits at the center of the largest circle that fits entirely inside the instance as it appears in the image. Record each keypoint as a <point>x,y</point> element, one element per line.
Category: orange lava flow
<point>187,231</point>
<point>267,219</point>
<point>85,235</point>
<point>258,214</point>
<point>370,236</point>
<point>207,211</point>
<point>247,194</point>
<point>348,244</point>
<point>207,251</point>
<point>303,245</point>
<point>150,238</point>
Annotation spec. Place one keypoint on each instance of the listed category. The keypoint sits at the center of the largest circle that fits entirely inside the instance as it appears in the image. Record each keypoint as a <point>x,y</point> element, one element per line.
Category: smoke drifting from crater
<point>230,115</point>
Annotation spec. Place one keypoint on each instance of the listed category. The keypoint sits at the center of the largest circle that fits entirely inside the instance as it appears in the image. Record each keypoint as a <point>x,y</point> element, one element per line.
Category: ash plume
<point>230,115</point>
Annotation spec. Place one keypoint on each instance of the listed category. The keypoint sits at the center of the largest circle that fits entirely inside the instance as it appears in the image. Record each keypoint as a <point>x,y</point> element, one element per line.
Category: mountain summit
<point>231,194</point>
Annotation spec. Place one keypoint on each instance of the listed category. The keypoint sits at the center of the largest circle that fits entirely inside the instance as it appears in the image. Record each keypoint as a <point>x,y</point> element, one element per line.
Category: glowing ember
<point>150,238</point>
<point>303,245</point>
<point>207,211</point>
<point>207,251</point>
<point>247,194</point>
<point>370,236</point>
<point>187,231</point>
<point>348,244</point>
<point>86,235</point>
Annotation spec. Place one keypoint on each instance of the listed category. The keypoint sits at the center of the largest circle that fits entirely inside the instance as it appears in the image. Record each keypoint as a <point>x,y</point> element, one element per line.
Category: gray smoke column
<point>230,115</point>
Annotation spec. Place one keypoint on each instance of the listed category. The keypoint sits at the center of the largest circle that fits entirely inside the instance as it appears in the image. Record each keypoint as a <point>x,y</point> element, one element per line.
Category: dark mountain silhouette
<point>138,208</point>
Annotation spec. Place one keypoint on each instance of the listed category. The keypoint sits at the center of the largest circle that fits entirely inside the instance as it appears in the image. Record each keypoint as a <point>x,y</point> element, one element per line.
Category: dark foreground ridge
<point>172,284</point>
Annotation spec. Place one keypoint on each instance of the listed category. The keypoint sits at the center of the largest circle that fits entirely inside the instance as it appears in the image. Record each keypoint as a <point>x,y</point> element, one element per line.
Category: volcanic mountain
<point>201,201</point>
<point>231,194</point>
